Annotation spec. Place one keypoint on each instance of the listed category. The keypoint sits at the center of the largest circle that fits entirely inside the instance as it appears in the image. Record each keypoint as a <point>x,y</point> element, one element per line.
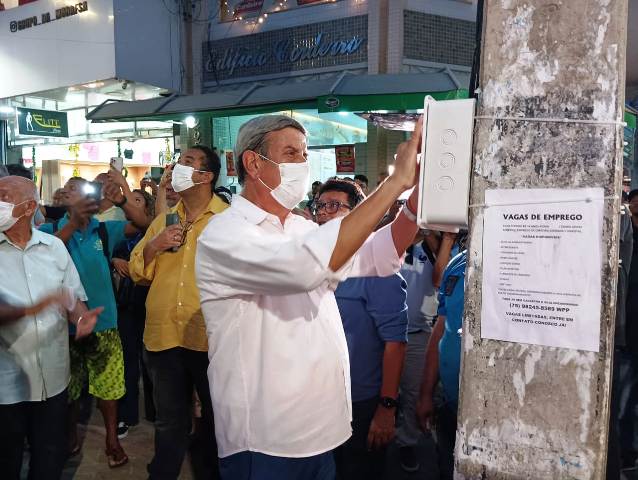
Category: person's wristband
<point>408,213</point>
<point>122,203</point>
<point>77,324</point>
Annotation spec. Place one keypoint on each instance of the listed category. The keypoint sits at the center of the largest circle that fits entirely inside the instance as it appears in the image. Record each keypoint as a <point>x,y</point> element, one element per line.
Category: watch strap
<point>388,402</point>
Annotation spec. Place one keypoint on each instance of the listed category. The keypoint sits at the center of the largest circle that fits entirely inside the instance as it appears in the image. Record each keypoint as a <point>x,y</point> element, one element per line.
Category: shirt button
<point>180,304</point>
<point>185,266</point>
<point>181,284</point>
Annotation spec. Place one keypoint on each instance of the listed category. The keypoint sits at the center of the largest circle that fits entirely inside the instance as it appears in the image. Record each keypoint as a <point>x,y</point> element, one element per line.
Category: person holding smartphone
<point>175,335</point>
<point>34,358</point>
<point>91,243</point>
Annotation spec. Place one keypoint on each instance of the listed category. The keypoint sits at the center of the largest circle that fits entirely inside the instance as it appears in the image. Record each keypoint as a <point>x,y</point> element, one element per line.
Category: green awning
<point>348,92</point>
<point>393,102</point>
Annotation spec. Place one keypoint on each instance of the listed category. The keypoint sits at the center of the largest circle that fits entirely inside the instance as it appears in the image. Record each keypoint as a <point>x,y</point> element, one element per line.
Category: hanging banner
<point>345,158</point>
<point>230,164</point>
<point>542,260</point>
<point>42,123</point>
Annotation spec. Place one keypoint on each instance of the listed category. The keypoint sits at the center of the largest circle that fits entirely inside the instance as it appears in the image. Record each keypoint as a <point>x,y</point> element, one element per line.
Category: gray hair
<point>252,136</point>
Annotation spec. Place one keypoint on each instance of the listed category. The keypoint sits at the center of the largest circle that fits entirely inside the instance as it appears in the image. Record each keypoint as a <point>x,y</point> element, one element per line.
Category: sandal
<point>116,457</point>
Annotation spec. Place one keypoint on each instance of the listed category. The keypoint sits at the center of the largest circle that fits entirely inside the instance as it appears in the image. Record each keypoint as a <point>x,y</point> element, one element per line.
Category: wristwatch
<point>388,402</point>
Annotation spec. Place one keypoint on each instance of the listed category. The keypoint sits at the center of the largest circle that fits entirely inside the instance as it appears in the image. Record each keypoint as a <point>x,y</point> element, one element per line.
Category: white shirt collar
<point>36,237</point>
<point>253,213</point>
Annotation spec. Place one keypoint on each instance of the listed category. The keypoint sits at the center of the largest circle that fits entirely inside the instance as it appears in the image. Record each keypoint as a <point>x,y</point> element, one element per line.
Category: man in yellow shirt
<point>176,348</point>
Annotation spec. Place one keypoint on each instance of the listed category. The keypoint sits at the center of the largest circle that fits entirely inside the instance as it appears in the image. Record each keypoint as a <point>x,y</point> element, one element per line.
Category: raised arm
<point>442,258</point>
<point>361,222</point>
<point>118,192</point>
<point>79,216</point>
<point>160,200</point>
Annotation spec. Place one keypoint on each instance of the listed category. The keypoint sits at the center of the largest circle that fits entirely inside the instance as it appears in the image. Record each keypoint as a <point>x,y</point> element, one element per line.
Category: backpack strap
<point>56,226</point>
<point>104,237</point>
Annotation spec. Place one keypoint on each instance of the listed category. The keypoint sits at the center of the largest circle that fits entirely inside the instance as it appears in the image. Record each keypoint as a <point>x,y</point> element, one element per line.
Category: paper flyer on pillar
<point>542,258</point>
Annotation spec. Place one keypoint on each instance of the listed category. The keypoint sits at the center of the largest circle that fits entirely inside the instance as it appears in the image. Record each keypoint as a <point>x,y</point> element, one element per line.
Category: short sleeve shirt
<point>85,247</point>
<point>373,311</point>
<point>451,300</point>
<point>34,350</point>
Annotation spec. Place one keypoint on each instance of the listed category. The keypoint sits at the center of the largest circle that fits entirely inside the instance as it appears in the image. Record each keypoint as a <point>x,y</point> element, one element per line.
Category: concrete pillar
<point>377,36</point>
<point>395,36</point>
<point>555,60</point>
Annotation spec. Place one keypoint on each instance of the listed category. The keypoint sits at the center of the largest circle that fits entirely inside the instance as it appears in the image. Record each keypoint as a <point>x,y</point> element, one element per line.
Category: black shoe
<point>122,430</point>
<point>409,462</point>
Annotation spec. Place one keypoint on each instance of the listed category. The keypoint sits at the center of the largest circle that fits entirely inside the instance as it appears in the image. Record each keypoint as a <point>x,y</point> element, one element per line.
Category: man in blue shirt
<point>375,320</point>
<point>91,244</point>
<point>443,360</point>
<point>422,303</point>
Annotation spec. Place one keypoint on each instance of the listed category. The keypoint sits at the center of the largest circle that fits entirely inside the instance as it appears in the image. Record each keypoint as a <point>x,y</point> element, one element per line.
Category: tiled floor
<point>92,464</point>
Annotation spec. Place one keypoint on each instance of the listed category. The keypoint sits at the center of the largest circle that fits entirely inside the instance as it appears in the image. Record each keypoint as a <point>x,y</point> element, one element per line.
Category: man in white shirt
<point>279,370</point>
<point>34,348</point>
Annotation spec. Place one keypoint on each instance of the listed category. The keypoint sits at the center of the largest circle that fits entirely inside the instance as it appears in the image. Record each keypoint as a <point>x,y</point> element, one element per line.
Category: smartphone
<point>156,173</point>
<point>117,163</point>
<point>172,219</point>
<point>93,190</point>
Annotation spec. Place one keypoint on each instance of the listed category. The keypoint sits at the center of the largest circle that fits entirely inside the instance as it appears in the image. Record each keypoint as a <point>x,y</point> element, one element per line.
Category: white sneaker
<point>122,430</point>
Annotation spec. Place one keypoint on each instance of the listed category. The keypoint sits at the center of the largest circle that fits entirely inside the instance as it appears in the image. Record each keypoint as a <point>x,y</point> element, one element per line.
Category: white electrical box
<point>444,183</point>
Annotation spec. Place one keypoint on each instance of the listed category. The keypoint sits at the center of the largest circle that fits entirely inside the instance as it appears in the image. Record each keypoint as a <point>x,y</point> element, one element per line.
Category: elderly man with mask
<point>279,370</point>
<point>175,334</point>
<point>34,349</point>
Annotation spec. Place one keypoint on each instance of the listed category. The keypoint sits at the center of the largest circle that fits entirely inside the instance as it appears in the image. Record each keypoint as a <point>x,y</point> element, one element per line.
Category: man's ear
<point>252,165</point>
<point>29,207</point>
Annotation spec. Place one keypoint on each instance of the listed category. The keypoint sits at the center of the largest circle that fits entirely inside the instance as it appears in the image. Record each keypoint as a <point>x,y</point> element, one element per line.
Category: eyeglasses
<point>330,207</point>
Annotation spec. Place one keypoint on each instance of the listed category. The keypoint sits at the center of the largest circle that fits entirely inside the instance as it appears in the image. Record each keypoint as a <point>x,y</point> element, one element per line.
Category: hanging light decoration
<point>168,155</point>
<point>75,150</point>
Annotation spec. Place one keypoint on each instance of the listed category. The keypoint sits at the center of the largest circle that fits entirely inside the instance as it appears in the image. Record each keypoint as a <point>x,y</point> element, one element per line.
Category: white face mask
<point>7,220</point>
<point>182,177</point>
<point>294,183</point>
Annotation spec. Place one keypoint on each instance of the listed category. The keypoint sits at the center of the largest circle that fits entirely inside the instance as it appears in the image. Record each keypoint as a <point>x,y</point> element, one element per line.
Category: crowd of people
<point>277,334</point>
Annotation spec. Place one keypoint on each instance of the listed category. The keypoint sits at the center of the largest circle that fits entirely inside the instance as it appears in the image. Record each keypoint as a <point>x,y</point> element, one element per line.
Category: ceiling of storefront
<point>94,93</point>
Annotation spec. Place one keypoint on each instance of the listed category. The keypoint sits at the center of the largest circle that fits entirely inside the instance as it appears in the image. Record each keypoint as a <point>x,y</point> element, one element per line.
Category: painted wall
<point>68,51</point>
<point>147,42</point>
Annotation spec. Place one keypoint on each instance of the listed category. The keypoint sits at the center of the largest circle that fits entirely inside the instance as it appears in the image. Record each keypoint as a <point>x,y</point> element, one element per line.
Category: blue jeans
<point>258,466</point>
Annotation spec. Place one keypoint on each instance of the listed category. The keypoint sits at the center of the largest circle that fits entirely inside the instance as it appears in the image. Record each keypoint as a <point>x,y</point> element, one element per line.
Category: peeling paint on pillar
<point>528,411</point>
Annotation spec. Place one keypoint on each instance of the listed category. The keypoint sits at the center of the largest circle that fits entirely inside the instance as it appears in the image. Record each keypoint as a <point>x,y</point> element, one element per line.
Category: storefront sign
<point>42,123</point>
<point>48,17</point>
<point>283,52</point>
<point>345,158</point>
<point>542,260</point>
<point>320,45</point>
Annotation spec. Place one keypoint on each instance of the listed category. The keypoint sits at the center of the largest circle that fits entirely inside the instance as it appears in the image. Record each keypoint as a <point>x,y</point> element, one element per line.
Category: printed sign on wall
<point>345,158</point>
<point>542,260</point>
